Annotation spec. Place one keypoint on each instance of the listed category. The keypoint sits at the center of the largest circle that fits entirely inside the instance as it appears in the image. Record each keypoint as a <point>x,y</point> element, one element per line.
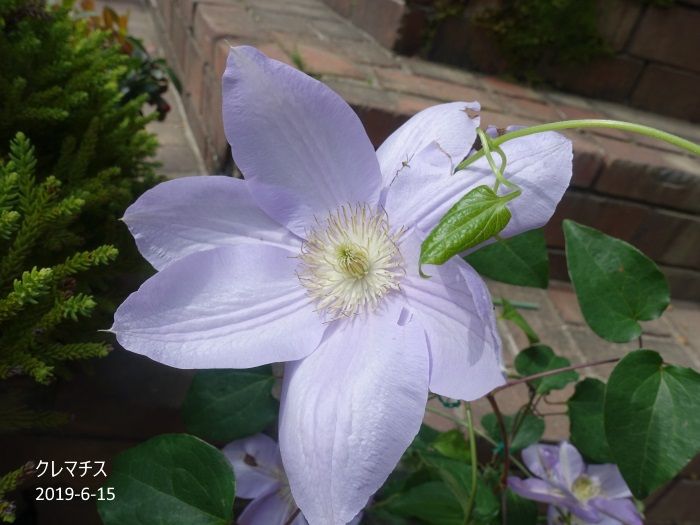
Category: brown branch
<point>552,373</point>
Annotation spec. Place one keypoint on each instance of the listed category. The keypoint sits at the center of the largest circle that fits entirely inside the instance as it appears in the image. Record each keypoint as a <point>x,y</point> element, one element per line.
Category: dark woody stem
<point>552,373</point>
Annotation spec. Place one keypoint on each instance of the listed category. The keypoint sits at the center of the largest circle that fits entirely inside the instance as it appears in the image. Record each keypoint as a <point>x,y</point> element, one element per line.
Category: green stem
<point>648,131</point>
<point>483,435</point>
<point>497,171</point>
<point>474,465</point>
<point>518,304</point>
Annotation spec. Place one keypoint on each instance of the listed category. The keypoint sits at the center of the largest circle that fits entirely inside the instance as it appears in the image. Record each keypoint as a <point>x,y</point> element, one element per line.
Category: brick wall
<point>654,65</point>
<point>639,190</point>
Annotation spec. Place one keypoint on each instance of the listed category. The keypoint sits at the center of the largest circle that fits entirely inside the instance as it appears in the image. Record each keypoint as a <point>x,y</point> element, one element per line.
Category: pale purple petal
<point>622,510</point>
<point>456,310</point>
<point>540,164</point>
<point>570,465</point>
<point>301,148</point>
<point>538,490</point>
<point>350,410</point>
<point>257,465</point>
<point>269,510</point>
<point>440,135</point>
<point>610,480</point>
<point>541,460</point>
<point>193,214</point>
<point>231,307</point>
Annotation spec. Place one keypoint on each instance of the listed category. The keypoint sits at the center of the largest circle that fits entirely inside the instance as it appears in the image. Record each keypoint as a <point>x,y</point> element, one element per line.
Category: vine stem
<point>552,372</point>
<point>506,455</point>
<point>474,465</point>
<point>648,131</point>
<point>478,432</point>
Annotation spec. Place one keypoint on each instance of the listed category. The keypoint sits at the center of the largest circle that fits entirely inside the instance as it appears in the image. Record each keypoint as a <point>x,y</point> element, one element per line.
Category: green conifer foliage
<point>60,85</point>
<point>36,303</point>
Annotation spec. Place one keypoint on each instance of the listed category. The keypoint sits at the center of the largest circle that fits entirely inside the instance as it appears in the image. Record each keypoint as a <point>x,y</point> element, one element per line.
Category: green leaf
<point>223,405</point>
<point>616,284</point>
<point>475,218</point>
<point>457,476</point>
<point>521,260</point>
<point>175,479</point>
<point>530,430</point>
<point>521,511</point>
<point>586,419</point>
<point>511,314</point>
<point>541,358</point>
<point>651,419</point>
<point>452,445</point>
<point>432,503</point>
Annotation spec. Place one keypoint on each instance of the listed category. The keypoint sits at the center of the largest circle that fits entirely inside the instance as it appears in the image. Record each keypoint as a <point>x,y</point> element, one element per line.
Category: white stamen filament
<point>351,260</point>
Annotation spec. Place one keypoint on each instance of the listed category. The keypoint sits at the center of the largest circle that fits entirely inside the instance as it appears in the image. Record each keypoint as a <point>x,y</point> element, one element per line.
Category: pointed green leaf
<point>586,419</point>
<point>223,405</point>
<point>452,445</point>
<point>521,511</point>
<point>521,260</point>
<point>616,284</point>
<point>475,218</point>
<point>175,479</point>
<point>512,315</point>
<point>541,358</point>
<point>651,419</point>
<point>432,503</point>
<point>530,430</point>
<point>457,476</point>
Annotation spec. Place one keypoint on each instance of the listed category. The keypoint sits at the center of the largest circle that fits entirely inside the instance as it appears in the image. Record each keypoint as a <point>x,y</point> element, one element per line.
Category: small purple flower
<point>312,260</point>
<point>260,477</point>
<point>577,494</point>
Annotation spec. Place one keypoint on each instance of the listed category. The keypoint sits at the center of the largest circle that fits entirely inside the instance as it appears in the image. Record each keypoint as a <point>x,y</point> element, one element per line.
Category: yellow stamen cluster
<point>351,260</point>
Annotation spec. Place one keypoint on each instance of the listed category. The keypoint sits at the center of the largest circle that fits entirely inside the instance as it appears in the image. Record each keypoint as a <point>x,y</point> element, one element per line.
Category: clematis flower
<point>260,477</point>
<point>577,494</point>
<point>312,260</point>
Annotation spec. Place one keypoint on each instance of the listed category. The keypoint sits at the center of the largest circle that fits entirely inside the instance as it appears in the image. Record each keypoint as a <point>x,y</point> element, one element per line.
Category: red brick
<point>380,18</point>
<point>212,114</point>
<point>620,219</point>
<point>648,175</point>
<point>500,120</point>
<point>564,299</point>
<point>344,7</point>
<point>215,22</point>
<point>669,36</point>
<point>319,60</point>
<point>616,21</point>
<point>511,89</point>
<point>588,160</point>
<point>397,80</point>
<point>441,72</point>
<point>677,505</point>
<point>684,284</point>
<point>410,104</point>
<point>180,34</point>
<point>684,249</point>
<point>611,78</point>
<point>463,43</point>
<point>668,91</point>
<point>540,111</point>
<point>193,81</point>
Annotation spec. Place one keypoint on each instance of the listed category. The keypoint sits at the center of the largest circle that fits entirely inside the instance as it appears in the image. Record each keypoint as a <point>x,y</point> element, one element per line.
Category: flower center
<point>584,488</point>
<point>351,260</point>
